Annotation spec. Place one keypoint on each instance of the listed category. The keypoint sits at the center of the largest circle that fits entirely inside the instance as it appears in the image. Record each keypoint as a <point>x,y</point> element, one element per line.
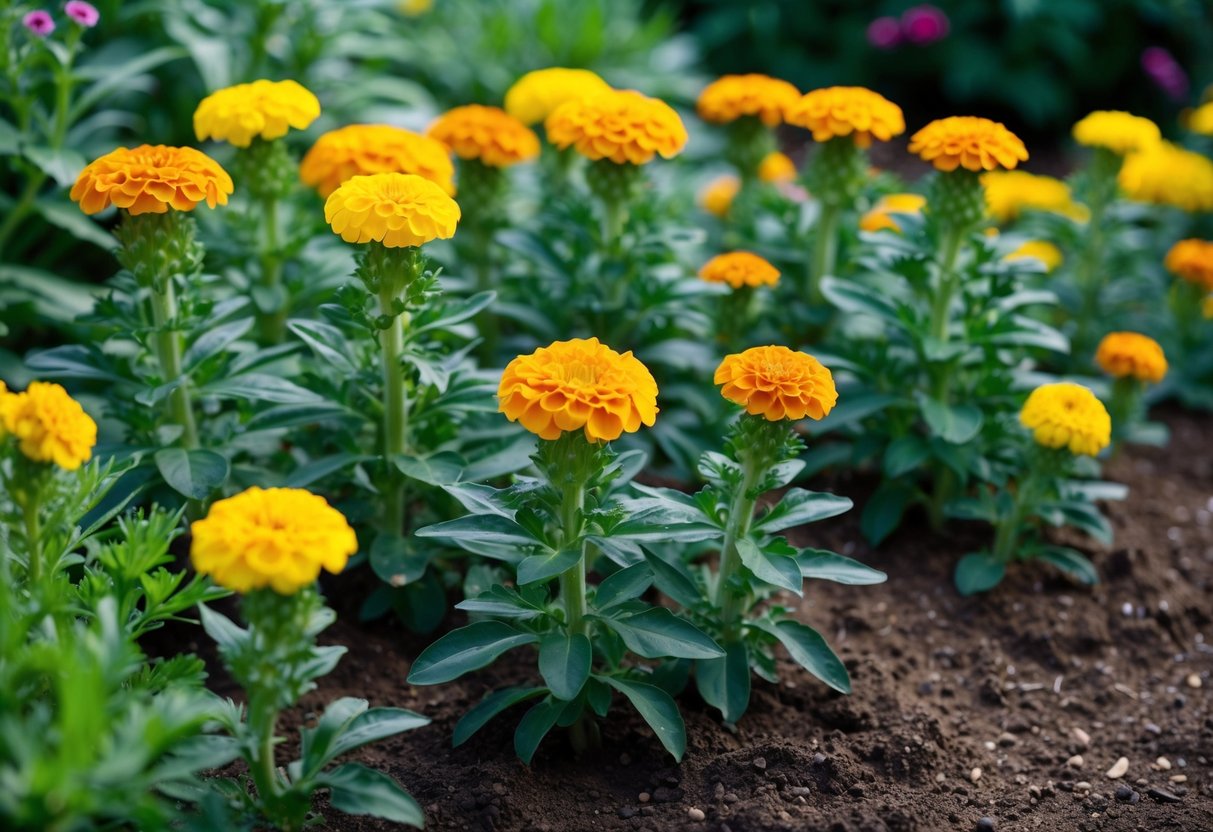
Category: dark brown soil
<point>964,714</point>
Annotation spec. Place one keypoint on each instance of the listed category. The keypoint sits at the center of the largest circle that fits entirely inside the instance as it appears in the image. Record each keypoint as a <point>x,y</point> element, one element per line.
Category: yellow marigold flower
<point>733,96</point>
<point>1131,354</point>
<point>1165,174</point>
<point>623,126</point>
<point>49,425</point>
<point>488,134</point>
<point>881,214</point>
<point>1193,261</point>
<point>362,149</point>
<point>395,209</point>
<point>150,179</point>
<point>578,385</point>
<point>1116,131</point>
<point>262,109</point>
<point>271,537</point>
<point>717,196</point>
<point>739,268</point>
<point>777,383</point>
<point>777,168</point>
<point>1041,250</point>
<point>847,111</point>
<point>1201,120</point>
<point>970,142</point>
<point>1011,192</point>
<point>1066,415</point>
<point>535,95</point>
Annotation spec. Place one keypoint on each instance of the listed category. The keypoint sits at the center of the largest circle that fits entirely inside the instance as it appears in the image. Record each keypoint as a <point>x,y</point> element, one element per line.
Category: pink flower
<point>39,23</point>
<point>924,24</point>
<point>884,32</point>
<point>85,14</point>
<point>1165,71</point>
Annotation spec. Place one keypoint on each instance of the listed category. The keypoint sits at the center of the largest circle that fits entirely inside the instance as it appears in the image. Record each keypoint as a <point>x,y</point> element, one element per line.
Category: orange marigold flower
<point>623,126</point>
<point>970,142</point>
<point>262,109</point>
<point>880,216</point>
<point>777,383</point>
<point>1116,131</point>
<point>488,134</point>
<point>1042,250</point>
<point>776,168</point>
<point>362,149</point>
<point>578,385</point>
<point>396,209</point>
<point>847,111</point>
<point>1066,415</point>
<point>718,195</point>
<point>1166,174</point>
<point>49,424</point>
<point>739,268</point>
<point>1131,354</point>
<point>1193,261</point>
<point>151,179</point>
<point>535,95</point>
<point>734,96</point>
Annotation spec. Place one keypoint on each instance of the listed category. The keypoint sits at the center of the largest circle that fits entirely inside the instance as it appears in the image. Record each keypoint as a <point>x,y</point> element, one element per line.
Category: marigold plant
<point>738,269</point>
<point>1192,260</point>
<point>1047,253</point>
<point>968,142</point>
<point>261,110</point>
<point>624,127</point>
<point>841,112</point>
<point>48,424</point>
<point>777,168</point>
<point>534,96</point>
<point>1131,355</point>
<point>1166,174</point>
<point>1117,131</point>
<point>396,209</point>
<point>489,135</point>
<point>1067,415</point>
<point>881,214</point>
<point>736,96</point>
<point>363,149</point>
<point>777,383</point>
<point>1010,193</point>
<point>151,179</point>
<point>717,196</point>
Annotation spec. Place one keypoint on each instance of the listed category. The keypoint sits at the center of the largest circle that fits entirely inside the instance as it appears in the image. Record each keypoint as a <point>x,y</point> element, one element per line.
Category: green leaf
<point>1072,562</point>
<point>657,633</point>
<point>502,602</point>
<point>442,468</point>
<point>358,790</point>
<point>547,565</point>
<point>396,560</point>
<point>484,711</point>
<point>62,165</point>
<point>799,507</point>
<point>564,663</point>
<point>194,474</point>
<point>883,511</point>
<point>809,650</point>
<point>317,742</point>
<point>775,570</point>
<point>261,387</point>
<point>464,650</point>
<point>480,528</point>
<point>850,410</point>
<point>828,566</point>
<point>63,214</point>
<point>534,727</point>
<point>214,341</point>
<point>954,424</point>
<point>905,455</point>
<point>674,580</point>
<point>724,683</point>
<point>320,468</point>
<point>328,342</point>
<point>978,572</point>
<point>658,710</point>
<point>222,630</point>
<point>624,585</point>
<point>374,725</point>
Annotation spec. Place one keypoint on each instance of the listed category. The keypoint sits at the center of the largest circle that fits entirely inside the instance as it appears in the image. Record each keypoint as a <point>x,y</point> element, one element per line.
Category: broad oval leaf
<point>658,710</point>
<point>978,572</point>
<point>484,711</point>
<point>358,790</point>
<point>809,649</point>
<point>194,474</point>
<point>464,650</point>
<point>657,633</point>
<point>564,663</point>
<point>799,507</point>
<point>829,566</point>
<point>724,683</point>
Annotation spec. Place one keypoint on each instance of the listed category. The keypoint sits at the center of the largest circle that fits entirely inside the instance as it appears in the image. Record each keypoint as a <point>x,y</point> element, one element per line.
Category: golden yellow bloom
<point>847,111</point>
<point>395,209</point>
<point>881,214</point>
<point>1201,120</point>
<point>718,195</point>
<point>49,425</point>
<point>777,383</point>
<point>623,126</point>
<point>488,134</point>
<point>733,96</point>
<point>362,149</point>
<point>1131,354</point>
<point>970,142</point>
<point>262,109</point>
<point>1165,174</point>
<point>1066,415</point>
<point>776,168</point>
<point>535,95</point>
<point>1041,250</point>
<point>150,179</point>
<point>1193,261</point>
<point>578,385</point>
<point>414,8</point>
<point>1010,192</point>
<point>1116,131</point>
<point>273,537</point>
<point>739,268</point>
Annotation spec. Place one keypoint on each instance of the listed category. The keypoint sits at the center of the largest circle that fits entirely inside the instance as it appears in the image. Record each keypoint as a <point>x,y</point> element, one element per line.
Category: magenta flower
<point>884,32</point>
<point>39,23</point>
<point>925,24</point>
<point>1166,72</point>
<point>85,14</point>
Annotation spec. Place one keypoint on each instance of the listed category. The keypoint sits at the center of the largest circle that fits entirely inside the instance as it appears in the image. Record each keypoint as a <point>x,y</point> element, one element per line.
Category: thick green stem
<point>572,587</point>
<point>941,304</point>
<point>395,410</point>
<point>168,352</point>
<point>741,512</point>
<point>614,220</point>
<point>33,538</point>
<point>825,249</point>
<point>1006,538</point>
<point>272,324</point>
<point>265,772</point>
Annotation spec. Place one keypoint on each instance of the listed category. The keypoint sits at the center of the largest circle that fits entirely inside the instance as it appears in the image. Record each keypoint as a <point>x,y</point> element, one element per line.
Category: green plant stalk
<point>614,220</point>
<point>1090,282</point>
<point>572,584</point>
<point>395,409</point>
<point>33,536</point>
<point>486,321</point>
<point>941,376</point>
<point>272,325</point>
<point>1006,538</point>
<point>741,514</point>
<point>825,249</point>
<point>167,344</point>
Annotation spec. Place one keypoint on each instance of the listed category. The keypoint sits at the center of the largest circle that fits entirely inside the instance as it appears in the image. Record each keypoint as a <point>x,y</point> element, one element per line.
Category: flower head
<point>578,385</point>
<point>1192,260</point>
<point>858,112</point>
<point>1042,250</point>
<point>271,537</point>
<point>884,32</point>
<point>1117,131</point>
<point>39,23</point>
<point>85,14</point>
<point>623,126</point>
<point>1131,355</point>
<point>49,425</point>
<point>262,109</point>
<point>777,383</point>
<point>970,142</point>
<point>151,179</point>
<point>1165,72</point>
<point>1066,415</point>
<point>1201,120</point>
<point>739,268</point>
<point>718,195</point>
<point>925,24</point>
<point>1165,174</point>
<point>735,96</point>
<point>362,149</point>
<point>489,134</point>
<point>395,209</point>
<point>535,95</point>
<point>1011,192</point>
<point>776,168</point>
<point>880,216</point>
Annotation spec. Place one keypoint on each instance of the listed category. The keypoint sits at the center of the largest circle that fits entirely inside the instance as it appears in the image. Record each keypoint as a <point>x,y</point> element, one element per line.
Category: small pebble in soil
<point>1082,786</point>
<point>1162,795</point>
<point>627,812</point>
<point>1126,795</point>
<point>1118,769</point>
<point>760,763</point>
<point>696,815</point>
<point>975,774</point>
<point>1075,761</point>
<point>1178,778</point>
<point>644,797</point>
<point>1162,764</point>
<point>1006,739</point>
<point>984,825</point>
<point>1193,680</point>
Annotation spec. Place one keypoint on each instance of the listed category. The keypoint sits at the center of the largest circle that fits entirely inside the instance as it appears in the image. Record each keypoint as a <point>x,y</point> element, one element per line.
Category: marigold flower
<point>970,142</point>
<point>777,383</point>
<point>1165,174</point>
<point>1041,250</point>
<point>150,179</point>
<point>777,168</point>
<point>488,134</point>
<point>1131,354</point>
<point>273,537</point>
<point>362,149</point>
<point>49,425</point>
<point>1201,120</point>
<point>395,209</point>
<point>1116,131</point>
<point>1066,415</point>
<point>1193,261</point>
<point>739,268</point>
<point>535,95</point>
<point>1011,192</point>
<point>623,126</point>
<point>880,216</point>
<point>734,96</point>
<point>578,385</point>
<point>718,195</point>
<point>85,14</point>
<point>858,112</point>
<point>262,109</point>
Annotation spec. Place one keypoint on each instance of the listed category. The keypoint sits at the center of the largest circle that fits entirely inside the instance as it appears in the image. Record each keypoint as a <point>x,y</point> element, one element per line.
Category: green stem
<point>33,538</point>
<point>741,513</point>
<point>941,304</point>
<point>486,321</point>
<point>825,249</point>
<point>272,324</point>
<point>21,210</point>
<point>168,353</point>
<point>1089,277</point>
<point>1006,538</point>
<point>572,590</point>
<point>614,220</point>
<point>395,409</point>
